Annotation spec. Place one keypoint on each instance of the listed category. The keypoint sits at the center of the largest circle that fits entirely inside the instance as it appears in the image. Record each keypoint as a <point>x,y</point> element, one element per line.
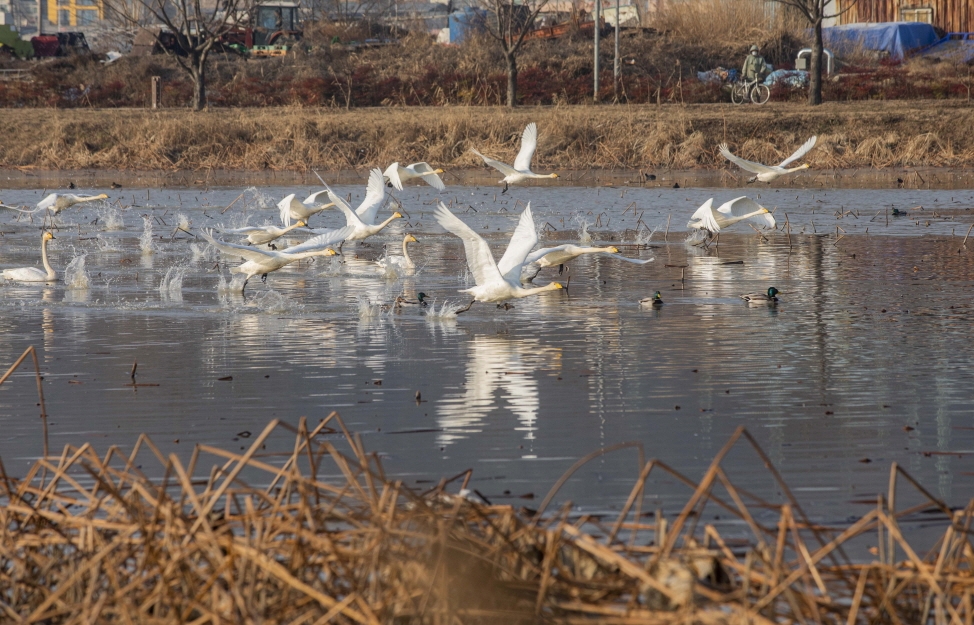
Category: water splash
<point>202,252</point>
<point>447,311</point>
<point>107,244</point>
<point>145,241</point>
<point>696,238</point>
<point>368,310</point>
<point>273,301</point>
<point>171,287</point>
<point>583,234</point>
<point>182,221</point>
<point>111,219</point>
<point>644,236</point>
<point>258,199</point>
<point>75,275</point>
<point>236,284</point>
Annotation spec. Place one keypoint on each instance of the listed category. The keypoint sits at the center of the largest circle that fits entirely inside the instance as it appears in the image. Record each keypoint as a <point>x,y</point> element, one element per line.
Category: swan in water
<point>400,263</point>
<point>561,254</point>
<point>710,221</point>
<point>395,174</point>
<point>262,262</point>
<point>362,219</point>
<point>291,209</point>
<point>767,173</point>
<point>769,297</point>
<point>33,274</point>
<point>496,282</point>
<point>521,170</point>
<point>258,235</point>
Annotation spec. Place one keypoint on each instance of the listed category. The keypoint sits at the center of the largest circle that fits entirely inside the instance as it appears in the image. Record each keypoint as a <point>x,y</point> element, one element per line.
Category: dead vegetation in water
<point>854,135</point>
<point>320,534</point>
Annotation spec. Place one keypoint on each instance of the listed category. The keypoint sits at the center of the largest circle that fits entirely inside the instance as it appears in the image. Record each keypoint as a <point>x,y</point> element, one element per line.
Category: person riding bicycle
<point>755,68</point>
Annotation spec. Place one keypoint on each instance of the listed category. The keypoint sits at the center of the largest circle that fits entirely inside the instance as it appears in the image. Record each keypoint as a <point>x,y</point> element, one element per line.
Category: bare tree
<point>197,26</point>
<point>508,24</point>
<point>816,12</point>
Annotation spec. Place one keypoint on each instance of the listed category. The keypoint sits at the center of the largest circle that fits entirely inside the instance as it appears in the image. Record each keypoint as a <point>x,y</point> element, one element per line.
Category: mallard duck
<point>419,301</point>
<point>762,298</point>
<point>656,301</point>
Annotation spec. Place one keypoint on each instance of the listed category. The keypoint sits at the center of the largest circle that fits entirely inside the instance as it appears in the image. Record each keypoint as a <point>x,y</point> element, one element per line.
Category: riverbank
<point>644,138</point>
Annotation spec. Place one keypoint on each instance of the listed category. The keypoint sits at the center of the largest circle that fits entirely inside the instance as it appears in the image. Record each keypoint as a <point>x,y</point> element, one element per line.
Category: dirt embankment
<point>647,137</point>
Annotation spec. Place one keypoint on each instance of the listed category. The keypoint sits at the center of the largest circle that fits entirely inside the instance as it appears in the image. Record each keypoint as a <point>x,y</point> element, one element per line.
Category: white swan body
<point>400,263</point>
<point>33,274</point>
<point>496,281</point>
<point>262,262</point>
<point>396,174</point>
<point>561,254</point>
<point>767,173</point>
<point>57,202</point>
<point>739,209</point>
<point>521,170</point>
<point>291,209</point>
<point>362,219</point>
<point>258,235</point>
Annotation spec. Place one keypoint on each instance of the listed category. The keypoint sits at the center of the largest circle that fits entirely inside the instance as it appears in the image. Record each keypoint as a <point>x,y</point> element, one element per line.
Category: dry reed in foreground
<point>320,534</point>
<point>851,135</point>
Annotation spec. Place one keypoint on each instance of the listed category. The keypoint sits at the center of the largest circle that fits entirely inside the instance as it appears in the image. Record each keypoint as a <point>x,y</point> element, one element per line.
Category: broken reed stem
<point>40,388</point>
<point>964,242</point>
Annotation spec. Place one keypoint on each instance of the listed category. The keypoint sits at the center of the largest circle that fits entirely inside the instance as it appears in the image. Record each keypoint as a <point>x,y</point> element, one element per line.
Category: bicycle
<point>752,90</point>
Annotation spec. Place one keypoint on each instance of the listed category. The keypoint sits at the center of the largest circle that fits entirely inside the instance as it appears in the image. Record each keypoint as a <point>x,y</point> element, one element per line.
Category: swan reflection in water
<point>501,374</point>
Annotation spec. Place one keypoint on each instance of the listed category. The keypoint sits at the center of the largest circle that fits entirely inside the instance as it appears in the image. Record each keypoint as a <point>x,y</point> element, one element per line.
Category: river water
<point>866,361</point>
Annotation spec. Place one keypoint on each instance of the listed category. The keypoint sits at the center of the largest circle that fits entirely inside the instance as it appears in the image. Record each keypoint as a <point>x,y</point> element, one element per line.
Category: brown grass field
<point>644,137</point>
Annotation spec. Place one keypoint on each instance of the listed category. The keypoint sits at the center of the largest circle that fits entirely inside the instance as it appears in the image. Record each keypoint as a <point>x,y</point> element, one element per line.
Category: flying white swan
<point>561,254</point>
<point>291,209</point>
<point>55,203</point>
<point>400,263</point>
<point>33,274</point>
<point>262,262</point>
<point>362,219</point>
<point>396,174</point>
<point>711,221</point>
<point>496,282</point>
<point>767,173</point>
<point>521,170</point>
<point>258,235</point>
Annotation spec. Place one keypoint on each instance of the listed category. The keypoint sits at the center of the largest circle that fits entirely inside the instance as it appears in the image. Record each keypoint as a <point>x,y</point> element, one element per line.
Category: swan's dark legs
<point>505,189</point>
<point>263,278</point>
<point>561,268</point>
<point>465,309</point>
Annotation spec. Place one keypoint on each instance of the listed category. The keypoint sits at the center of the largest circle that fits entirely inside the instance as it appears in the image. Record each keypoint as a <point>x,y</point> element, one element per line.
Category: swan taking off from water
<point>292,209</point>
<point>711,221</point>
<point>395,174</point>
<point>262,262</point>
<point>561,254</point>
<point>521,170</point>
<point>496,282</point>
<point>767,173</point>
<point>33,274</point>
<point>362,219</point>
<point>400,263</point>
<point>258,235</point>
<point>55,203</point>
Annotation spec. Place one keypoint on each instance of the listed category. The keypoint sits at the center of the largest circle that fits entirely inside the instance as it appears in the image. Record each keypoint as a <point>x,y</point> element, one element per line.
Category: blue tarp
<point>955,48</point>
<point>469,20</point>
<point>898,39</point>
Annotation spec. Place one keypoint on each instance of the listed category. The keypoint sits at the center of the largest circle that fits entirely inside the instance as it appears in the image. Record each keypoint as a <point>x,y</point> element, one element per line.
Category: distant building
<point>75,12</point>
<point>950,15</point>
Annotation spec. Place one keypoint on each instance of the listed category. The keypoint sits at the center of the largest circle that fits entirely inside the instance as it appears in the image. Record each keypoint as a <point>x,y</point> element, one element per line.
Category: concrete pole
<point>597,14</point>
<point>40,17</point>
<point>616,69</point>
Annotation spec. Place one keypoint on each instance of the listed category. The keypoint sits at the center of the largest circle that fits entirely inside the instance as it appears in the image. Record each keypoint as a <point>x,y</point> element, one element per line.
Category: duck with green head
<point>419,301</point>
<point>656,301</point>
<point>770,297</point>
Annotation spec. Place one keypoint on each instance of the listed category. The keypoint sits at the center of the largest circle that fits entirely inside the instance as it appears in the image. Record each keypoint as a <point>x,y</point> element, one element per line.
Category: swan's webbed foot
<point>272,246</point>
<point>263,278</point>
<point>505,189</point>
<point>389,184</point>
<point>506,306</point>
<point>466,308</point>
<point>561,268</point>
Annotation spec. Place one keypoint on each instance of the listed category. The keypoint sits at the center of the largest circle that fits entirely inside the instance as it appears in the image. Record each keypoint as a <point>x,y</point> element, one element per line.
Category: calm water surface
<point>867,360</point>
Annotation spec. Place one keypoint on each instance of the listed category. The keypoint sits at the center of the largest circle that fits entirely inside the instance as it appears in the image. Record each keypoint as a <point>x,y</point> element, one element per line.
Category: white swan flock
<point>496,281</point>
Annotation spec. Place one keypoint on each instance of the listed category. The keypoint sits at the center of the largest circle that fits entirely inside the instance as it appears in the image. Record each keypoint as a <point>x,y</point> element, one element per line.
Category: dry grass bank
<point>254,536</point>
<point>851,135</point>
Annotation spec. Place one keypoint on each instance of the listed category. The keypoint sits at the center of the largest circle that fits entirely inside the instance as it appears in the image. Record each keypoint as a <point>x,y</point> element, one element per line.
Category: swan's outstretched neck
<point>799,168</point>
<point>385,223</point>
<point>51,274</point>
<point>405,253</point>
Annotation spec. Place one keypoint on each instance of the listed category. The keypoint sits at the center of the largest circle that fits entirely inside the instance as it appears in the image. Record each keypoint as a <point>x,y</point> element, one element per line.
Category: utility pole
<point>616,69</point>
<point>40,17</point>
<point>598,13</point>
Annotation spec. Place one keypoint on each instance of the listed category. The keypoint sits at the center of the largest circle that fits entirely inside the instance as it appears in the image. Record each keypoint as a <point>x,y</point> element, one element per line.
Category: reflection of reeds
<point>320,534</point>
